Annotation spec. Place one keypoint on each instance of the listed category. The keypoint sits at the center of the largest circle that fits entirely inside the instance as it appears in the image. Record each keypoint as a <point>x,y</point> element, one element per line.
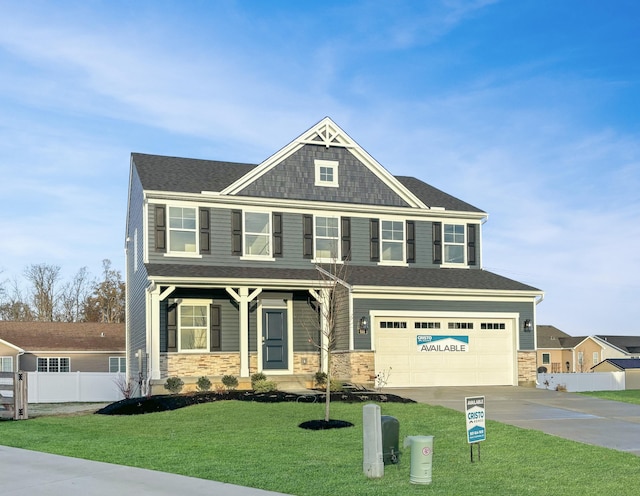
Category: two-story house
<point>229,264</point>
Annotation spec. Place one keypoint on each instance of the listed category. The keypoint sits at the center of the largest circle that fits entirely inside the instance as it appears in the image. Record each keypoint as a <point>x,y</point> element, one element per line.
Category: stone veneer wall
<point>527,368</point>
<point>354,366</point>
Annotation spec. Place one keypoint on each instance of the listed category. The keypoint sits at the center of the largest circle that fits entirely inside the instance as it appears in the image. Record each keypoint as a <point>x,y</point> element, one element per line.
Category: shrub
<point>174,385</point>
<point>230,381</point>
<point>264,386</point>
<point>203,384</point>
<point>320,379</point>
<point>336,385</point>
<point>258,376</point>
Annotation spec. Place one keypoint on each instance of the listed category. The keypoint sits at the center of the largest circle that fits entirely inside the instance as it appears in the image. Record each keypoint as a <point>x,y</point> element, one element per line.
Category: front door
<point>274,339</point>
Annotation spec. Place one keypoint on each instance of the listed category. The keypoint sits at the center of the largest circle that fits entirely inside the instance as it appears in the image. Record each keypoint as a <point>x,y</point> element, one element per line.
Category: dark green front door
<point>274,339</point>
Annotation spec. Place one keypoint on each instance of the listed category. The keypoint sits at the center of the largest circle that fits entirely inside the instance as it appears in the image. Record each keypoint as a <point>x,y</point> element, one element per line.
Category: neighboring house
<point>630,367</point>
<point>593,349</point>
<point>555,349</point>
<point>559,352</point>
<point>227,266</point>
<point>62,347</point>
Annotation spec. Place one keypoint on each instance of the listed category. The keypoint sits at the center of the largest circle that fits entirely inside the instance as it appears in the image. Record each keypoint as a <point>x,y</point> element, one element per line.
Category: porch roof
<point>361,276</point>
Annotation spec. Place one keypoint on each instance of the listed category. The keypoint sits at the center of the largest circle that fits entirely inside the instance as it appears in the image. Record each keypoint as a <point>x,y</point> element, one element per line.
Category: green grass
<point>627,396</point>
<point>260,445</point>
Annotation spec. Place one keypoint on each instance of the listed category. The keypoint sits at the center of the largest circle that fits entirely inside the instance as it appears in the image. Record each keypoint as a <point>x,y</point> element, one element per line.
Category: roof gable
<point>326,135</point>
<point>622,363</point>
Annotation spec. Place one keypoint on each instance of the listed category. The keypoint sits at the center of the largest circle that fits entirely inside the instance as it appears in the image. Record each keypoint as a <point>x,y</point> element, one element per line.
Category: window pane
<point>393,230</point>
<point>6,364</point>
<point>454,254</point>
<point>392,251</point>
<point>326,174</point>
<point>326,248</point>
<point>256,222</point>
<point>257,244</point>
<point>182,241</point>
<point>182,218</point>
<point>453,233</point>
<point>193,339</point>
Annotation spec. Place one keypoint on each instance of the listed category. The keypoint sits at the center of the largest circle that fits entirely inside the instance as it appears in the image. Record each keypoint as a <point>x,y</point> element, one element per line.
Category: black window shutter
<point>346,237</point>
<point>307,236</point>
<point>215,329</point>
<point>411,241</point>
<point>172,327</point>
<point>374,234</point>
<point>471,244</point>
<point>161,228</point>
<point>236,232</point>
<point>437,242</point>
<point>277,234</point>
<point>205,230</point>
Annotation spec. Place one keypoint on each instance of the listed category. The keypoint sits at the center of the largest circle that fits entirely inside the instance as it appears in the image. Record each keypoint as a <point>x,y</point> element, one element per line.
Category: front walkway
<point>573,416</point>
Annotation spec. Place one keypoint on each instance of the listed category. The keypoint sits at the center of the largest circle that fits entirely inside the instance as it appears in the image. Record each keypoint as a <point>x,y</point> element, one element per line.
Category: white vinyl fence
<point>592,381</point>
<point>66,387</point>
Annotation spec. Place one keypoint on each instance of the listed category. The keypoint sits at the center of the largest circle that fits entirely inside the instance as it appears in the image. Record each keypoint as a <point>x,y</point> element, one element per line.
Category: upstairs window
<point>392,235</point>
<point>327,238</point>
<point>182,229</point>
<point>257,234</point>
<point>193,332</point>
<point>326,173</point>
<point>454,245</point>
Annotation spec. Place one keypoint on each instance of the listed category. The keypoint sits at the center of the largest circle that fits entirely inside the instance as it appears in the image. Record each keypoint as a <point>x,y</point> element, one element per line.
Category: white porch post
<point>244,331</point>
<point>153,344</point>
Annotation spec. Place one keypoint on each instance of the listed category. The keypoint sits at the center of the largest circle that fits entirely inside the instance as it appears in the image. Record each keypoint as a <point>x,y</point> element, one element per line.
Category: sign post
<point>475,413</point>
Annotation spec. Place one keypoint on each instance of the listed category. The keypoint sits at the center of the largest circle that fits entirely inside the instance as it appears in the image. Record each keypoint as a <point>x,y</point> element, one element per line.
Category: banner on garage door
<point>443,343</point>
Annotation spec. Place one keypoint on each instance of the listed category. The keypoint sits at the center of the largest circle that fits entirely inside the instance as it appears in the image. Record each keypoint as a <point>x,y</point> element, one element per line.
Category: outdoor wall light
<point>363,326</point>
<point>528,326</point>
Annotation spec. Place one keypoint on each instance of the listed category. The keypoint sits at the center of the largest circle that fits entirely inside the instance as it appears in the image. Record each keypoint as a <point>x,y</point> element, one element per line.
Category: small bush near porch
<point>260,445</point>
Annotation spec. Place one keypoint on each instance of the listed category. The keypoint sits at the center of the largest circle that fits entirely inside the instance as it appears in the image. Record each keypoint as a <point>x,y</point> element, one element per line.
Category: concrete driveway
<point>572,416</point>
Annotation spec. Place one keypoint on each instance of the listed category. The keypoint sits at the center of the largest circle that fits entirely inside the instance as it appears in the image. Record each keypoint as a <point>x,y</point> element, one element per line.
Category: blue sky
<point>527,109</point>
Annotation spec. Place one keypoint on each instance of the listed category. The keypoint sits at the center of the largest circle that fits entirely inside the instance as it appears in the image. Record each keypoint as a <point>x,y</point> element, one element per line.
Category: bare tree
<point>333,310</point>
<point>13,305</point>
<point>43,278</point>
<point>107,301</point>
<point>73,296</point>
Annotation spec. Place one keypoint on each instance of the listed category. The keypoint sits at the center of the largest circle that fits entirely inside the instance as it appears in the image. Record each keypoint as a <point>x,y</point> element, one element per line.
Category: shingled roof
<point>622,363</point>
<point>551,337</point>
<point>188,175</point>
<point>64,336</point>
<point>355,275</point>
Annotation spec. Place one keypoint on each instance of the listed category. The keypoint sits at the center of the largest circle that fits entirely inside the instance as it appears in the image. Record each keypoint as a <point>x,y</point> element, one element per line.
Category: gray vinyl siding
<point>292,244</point>
<point>343,324</point>
<point>137,282</point>
<point>294,179</point>
<point>305,324</point>
<point>364,306</point>
<point>78,362</point>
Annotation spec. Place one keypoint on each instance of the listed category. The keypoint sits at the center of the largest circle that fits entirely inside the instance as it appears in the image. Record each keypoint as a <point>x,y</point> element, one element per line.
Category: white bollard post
<point>372,465</point>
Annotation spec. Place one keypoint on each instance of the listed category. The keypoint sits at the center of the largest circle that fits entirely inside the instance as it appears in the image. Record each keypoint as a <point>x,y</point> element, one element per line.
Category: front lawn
<point>627,396</point>
<point>261,445</point>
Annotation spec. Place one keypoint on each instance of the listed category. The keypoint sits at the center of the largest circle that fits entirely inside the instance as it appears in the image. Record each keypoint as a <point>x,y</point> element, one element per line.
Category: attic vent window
<point>326,173</point>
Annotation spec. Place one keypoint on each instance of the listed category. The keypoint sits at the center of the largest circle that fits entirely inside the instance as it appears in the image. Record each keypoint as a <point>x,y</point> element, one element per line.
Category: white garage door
<point>446,351</point>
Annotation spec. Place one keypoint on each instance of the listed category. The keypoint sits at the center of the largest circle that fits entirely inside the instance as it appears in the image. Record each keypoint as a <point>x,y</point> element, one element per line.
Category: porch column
<point>153,337</point>
<point>243,298</point>
<point>244,331</point>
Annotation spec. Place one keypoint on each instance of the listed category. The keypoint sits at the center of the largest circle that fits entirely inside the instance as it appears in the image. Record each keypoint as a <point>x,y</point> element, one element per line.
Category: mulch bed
<point>162,403</point>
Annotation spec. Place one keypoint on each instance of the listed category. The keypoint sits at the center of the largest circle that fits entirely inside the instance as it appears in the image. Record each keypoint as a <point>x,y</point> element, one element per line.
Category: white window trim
<point>326,163</point>
<point>458,265</point>
<point>193,302</point>
<point>269,235</point>
<point>135,250</point>
<point>338,258</point>
<point>399,263</point>
<point>185,254</point>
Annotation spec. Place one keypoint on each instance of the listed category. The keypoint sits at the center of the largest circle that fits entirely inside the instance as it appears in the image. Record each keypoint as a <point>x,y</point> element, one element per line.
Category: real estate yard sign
<point>474,408</point>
